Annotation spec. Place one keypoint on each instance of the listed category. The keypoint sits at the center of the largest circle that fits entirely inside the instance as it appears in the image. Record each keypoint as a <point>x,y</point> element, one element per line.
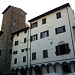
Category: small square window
<point>17,34</point>
<point>22,50</point>
<point>16,43</point>
<point>14,52</point>
<point>34,56</point>
<point>24,59</point>
<point>25,31</point>
<point>44,21</point>
<point>45,53</point>
<point>15,61</point>
<point>58,15</point>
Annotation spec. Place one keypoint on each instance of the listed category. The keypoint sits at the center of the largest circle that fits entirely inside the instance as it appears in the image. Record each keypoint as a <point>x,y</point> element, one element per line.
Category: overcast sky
<point>33,8</point>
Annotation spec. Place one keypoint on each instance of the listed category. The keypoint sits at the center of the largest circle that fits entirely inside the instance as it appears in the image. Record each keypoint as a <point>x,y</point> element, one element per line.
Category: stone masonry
<point>14,19</point>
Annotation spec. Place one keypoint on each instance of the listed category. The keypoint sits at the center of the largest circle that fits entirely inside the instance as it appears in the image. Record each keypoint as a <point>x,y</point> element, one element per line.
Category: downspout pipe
<point>70,30</point>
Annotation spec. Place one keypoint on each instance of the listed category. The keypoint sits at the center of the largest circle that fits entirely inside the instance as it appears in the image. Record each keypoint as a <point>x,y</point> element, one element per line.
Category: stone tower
<point>14,19</point>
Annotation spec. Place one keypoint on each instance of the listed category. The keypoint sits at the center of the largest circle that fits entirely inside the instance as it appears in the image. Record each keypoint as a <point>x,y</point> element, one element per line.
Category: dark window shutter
<point>56,30</point>
<point>40,35</point>
<point>36,37</point>
<point>31,38</point>
<point>64,28</point>
<point>57,50</point>
<point>26,49</point>
<point>67,48</point>
<point>47,32</point>
<point>34,56</point>
<point>24,59</point>
<point>24,40</point>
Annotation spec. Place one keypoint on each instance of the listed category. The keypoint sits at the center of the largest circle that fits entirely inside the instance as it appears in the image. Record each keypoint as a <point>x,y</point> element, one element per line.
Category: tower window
<point>14,23</point>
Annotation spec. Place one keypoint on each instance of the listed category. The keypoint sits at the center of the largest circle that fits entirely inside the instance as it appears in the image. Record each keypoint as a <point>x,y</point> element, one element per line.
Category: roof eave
<point>6,9</point>
<point>49,12</point>
<point>20,31</point>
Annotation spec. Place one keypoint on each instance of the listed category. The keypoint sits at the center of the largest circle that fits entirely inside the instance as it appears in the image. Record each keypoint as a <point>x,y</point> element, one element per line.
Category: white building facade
<point>47,46</point>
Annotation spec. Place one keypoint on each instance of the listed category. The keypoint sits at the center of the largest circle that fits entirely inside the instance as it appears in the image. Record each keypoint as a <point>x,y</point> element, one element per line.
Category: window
<point>62,49</point>
<point>45,53</point>
<point>58,15</point>
<point>25,31</point>
<point>44,34</point>
<point>33,25</point>
<point>14,52</point>
<point>34,56</point>
<point>16,43</point>
<point>25,40</point>
<point>14,23</point>
<point>15,61</point>
<point>34,37</point>
<point>17,34</point>
<point>60,29</point>
<point>22,50</point>
<point>0,52</point>
<point>24,59</point>
<point>44,21</point>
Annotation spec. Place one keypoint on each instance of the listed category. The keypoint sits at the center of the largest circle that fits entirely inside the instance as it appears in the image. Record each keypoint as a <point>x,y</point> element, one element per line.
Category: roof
<point>9,7</point>
<point>20,30</point>
<point>49,12</point>
<point>6,9</point>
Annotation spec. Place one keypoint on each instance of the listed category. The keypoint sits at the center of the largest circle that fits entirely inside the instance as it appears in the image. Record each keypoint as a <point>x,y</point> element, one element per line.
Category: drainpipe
<point>70,30</point>
<point>27,46</point>
<point>30,51</point>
